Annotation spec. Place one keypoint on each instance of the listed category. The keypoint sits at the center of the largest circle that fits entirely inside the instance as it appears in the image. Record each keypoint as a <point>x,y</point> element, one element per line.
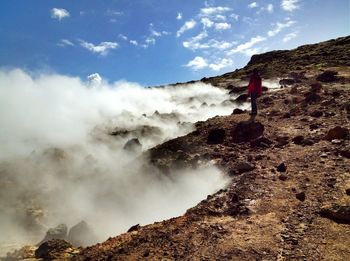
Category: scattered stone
<point>237,89</point>
<point>331,182</point>
<point>133,145</point>
<point>247,131</point>
<point>337,213</point>
<point>134,228</point>
<point>261,142</point>
<point>308,142</point>
<point>314,126</point>
<point>81,235</point>
<point>55,249</point>
<point>316,114</point>
<point>287,81</point>
<point>286,115</point>
<point>337,133</point>
<point>283,177</point>
<point>327,76</point>
<point>294,90</point>
<point>59,232</point>
<point>298,139</point>
<point>312,97</point>
<point>316,87</point>
<point>216,136</point>
<point>282,167</point>
<point>345,153</point>
<point>242,98</point>
<point>347,191</point>
<point>267,100</point>
<point>237,111</point>
<point>243,166</point>
<point>301,196</point>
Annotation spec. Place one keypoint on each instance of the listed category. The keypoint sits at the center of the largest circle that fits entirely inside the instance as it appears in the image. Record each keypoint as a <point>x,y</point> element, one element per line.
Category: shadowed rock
<point>337,133</point>
<point>327,76</point>
<point>81,235</point>
<point>247,131</point>
<point>59,232</point>
<point>339,214</point>
<point>133,145</point>
<point>216,136</point>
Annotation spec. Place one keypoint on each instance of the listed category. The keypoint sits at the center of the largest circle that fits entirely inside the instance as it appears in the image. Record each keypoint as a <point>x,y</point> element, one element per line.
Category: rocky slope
<point>289,195</point>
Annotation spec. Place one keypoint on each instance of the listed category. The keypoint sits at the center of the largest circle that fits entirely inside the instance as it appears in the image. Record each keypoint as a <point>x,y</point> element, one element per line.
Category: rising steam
<point>59,163</point>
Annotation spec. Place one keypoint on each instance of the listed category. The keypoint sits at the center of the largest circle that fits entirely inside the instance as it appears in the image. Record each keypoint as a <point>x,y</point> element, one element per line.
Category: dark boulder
<point>55,249</point>
<point>327,76</point>
<point>237,89</point>
<point>337,133</point>
<point>216,136</point>
<point>301,196</point>
<point>133,145</point>
<point>242,98</point>
<point>337,213</point>
<point>312,97</point>
<point>316,114</point>
<point>287,81</point>
<point>282,167</point>
<point>81,235</point>
<point>59,232</point>
<point>316,87</point>
<point>243,166</point>
<point>247,131</point>
<point>298,140</point>
<point>134,228</point>
<point>237,111</point>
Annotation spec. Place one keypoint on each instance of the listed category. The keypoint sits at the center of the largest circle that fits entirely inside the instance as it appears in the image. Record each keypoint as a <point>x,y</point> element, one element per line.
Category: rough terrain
<point>289,195</point>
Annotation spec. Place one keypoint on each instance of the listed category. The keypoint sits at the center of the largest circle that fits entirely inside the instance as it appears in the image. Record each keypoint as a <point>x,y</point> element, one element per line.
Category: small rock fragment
<point>301,196</point>
<point>282,167</point>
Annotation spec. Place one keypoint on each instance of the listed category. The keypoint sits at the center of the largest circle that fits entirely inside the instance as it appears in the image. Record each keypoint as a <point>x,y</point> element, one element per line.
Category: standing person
<point>254,90</point>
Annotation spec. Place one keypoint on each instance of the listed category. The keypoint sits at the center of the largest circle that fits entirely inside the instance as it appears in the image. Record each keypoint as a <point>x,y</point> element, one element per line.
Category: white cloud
<point>221,45</point>
<point>65,42</point>
<point>150,41</point>
<point>179,16</point>
<point>133,42</point>
<point>246,47</point>
<point>125,38</point>
<point>208,11</point>
<point>221,64</point>
<point>114,13</point>
<point>253,5</point>
<point>234,16</point>
<point>197,63</point>
<point>290,5</point>
<point>290,36</point>
<point>94,79</point>
<point>59,13</point>
<point>194,42</point>
<point>222,26</point>
<point>280,27</point>
<point>207,22</point>
<point>220,17</point>
<point>269,8</point>
<point>102,48</point>
<point>187,26</point>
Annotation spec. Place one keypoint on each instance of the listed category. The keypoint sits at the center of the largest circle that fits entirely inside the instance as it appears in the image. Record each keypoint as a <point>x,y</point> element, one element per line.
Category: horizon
<point>169,42</point>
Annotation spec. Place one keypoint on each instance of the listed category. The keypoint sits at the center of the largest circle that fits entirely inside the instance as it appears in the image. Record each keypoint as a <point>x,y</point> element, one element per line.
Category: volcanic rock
<point>300,196</point>
<point>243,166</point>
<point>134,228</point>
<point>337,133</point>
<point>283,177</point>
<point>216,136</point>
<point>242,98</point>
<point>81,235</point>
<point>55,249</point>
<point>237,89</point>
<point>287,81</point>
<point>312,97</point>
<point>298,139</point>
<point>59,232</point>
<point>247,131</point>
<point>282,167</point>
<point>337,213</point>
<point>327,76</point>
<point>316,87</point>
<point>237,111</point>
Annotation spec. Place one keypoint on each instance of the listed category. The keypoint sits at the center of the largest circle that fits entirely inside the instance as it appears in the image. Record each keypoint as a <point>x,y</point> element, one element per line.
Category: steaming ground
<point>59,162</point>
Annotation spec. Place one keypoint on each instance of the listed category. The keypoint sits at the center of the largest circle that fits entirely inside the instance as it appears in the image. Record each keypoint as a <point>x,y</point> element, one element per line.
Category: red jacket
<point>255,85</point>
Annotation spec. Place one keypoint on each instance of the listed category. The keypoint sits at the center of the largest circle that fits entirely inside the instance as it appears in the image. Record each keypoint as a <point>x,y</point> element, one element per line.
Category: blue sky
<point>156,42</point>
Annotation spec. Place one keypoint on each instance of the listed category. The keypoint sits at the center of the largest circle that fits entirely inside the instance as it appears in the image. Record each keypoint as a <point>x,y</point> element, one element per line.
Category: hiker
<point>254,90</point>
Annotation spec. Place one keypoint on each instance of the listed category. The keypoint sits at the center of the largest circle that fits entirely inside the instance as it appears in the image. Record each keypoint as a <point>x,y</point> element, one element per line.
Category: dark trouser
<point>253,97</point>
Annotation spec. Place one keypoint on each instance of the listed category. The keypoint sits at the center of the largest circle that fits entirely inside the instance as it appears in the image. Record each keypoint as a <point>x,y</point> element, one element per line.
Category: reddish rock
<point>247,131</point>
<point>337,133</point>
